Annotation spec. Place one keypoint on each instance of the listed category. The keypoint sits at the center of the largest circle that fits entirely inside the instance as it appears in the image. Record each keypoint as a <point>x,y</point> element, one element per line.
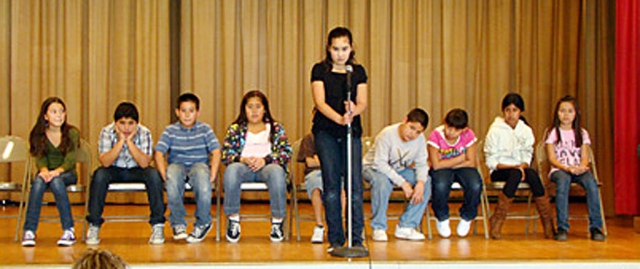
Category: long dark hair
<point>575,125</point>
<point>267,118</point>
<point>516,100</point>
<point>336,33</point>
<point>38,138</point>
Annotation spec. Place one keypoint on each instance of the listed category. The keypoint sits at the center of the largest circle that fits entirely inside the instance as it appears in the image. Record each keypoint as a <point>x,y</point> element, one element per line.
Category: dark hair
<point>267,118</point>
<point>98,259</point>
<point>516,100</point>
<point>418,115</point>
<point>189,97</point>
<point>126,110</point>
<point>457,118</point>
<point>38,138</point>
<point>336,33</point>
<point>577,129</point>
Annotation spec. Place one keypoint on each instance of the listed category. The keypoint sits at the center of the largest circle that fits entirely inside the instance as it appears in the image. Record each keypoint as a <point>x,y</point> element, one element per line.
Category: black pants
<point>513,177</point>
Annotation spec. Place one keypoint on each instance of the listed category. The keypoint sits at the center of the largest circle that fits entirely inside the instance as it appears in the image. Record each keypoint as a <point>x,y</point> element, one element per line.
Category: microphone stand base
<point>350,252</point>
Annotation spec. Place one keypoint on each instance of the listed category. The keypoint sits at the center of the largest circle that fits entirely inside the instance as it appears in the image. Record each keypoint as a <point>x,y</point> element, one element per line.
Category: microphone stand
<point>349,251</point>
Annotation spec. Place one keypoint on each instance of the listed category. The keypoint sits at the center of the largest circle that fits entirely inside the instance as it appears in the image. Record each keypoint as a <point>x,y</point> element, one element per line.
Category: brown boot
<point>546,217</point>
<point>499,214</point>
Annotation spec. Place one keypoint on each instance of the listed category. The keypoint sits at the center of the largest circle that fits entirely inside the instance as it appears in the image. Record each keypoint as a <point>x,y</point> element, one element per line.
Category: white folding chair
<point>14,149</point>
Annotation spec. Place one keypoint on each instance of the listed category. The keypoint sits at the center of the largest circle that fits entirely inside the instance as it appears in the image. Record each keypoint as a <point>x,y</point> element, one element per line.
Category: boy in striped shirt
<point>193,157</point>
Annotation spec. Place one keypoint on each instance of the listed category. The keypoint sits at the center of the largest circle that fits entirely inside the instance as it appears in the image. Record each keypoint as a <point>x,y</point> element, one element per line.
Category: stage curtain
<point>435,54</point>
<point>627,120</point>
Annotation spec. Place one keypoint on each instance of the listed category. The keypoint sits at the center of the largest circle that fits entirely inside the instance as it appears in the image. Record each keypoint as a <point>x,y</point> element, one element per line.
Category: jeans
<point>381,188</point>
<point>58,186</point>
<point>198,177</point>
<point>272,174</point>
<point>471,183</point>
<point>563,182</point>
<point>103,176</point>
<point>332,152</point>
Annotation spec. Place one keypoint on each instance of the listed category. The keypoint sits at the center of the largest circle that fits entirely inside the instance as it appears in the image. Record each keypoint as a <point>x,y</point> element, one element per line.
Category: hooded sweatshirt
<point>506,145</point>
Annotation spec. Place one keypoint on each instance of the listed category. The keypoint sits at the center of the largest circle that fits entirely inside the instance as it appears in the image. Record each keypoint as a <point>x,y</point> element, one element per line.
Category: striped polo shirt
<point>188,146</point>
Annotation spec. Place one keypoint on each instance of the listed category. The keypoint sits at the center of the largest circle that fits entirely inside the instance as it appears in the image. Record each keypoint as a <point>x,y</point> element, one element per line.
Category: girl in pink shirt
<point>568,151</point>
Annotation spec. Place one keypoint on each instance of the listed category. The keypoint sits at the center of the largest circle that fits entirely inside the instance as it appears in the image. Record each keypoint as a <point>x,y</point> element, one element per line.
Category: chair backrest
<point>367,143</point>
<point>294,163</point>
<point>13,149</point>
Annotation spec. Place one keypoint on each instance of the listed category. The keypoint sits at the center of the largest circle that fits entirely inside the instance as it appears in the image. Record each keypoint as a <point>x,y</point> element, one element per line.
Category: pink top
<point>566,152</point>
<point>437,140</point>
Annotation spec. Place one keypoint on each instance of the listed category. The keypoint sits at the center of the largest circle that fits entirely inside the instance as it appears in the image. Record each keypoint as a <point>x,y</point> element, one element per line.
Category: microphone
<point>349,70</point>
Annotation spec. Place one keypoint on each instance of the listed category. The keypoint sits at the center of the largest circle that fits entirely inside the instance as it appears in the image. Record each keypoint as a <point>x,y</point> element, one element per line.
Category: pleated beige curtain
<point>434,54</point>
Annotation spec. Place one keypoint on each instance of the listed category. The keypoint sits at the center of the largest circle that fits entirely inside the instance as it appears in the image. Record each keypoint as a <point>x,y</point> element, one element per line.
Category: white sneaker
<point>463,227</point>
<point>157,234</point>
<point>318,235</point>
<point>408,233</point>
<point>68,238</point>
<point>29,239</point>
<point>443,228</point>
<point>379,236</point>
<point>93,235</point>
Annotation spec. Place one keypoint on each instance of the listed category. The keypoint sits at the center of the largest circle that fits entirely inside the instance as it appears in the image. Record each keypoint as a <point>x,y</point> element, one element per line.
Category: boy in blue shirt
<point>194,157</point>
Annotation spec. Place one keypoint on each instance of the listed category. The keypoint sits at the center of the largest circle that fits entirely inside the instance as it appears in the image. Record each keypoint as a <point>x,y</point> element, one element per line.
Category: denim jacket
<point>234,142</point>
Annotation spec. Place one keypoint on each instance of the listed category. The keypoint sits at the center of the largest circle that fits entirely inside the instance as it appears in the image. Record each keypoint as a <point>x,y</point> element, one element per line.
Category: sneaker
<point>199,233</point>
<point>68,238</point>
<point>463,227</point>
<point>157,234</point>
<point>28,239</point>
<point>93,235</point>
<point>379,235</point>
<point>318,235</point>
<point>443,228</point>
<point>596,234</point>
<point>408,233</point>
<point>276,234</point>
<point>179,232</point>
<point>333,247</point>
<point>561,235</point>
<point>233,231</point>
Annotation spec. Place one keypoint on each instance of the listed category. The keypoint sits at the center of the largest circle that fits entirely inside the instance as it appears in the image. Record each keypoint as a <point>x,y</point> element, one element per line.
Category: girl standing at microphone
<point>331,79</point>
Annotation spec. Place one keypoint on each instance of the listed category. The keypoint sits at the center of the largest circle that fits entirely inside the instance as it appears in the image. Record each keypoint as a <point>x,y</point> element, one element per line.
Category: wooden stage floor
<point>129,240</point>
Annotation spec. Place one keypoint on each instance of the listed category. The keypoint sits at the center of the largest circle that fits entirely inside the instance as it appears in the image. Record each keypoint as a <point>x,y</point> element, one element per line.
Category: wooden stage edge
<point>517,248</point>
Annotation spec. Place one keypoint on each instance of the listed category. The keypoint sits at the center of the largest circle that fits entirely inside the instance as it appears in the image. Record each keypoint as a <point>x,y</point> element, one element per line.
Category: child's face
<point>410,130</point>
<point>55,115</point>
<point>511,115</point>
<point>126,126</point>
<point>254,110</point>
<point>566,113</point>
<point>452,133</point>
<point>187,114</point>
<point>340,50</point>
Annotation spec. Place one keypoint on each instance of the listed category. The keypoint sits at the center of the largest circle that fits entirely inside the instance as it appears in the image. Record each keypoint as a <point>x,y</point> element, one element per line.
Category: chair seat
<point>127,187</point>
<point>500,185</point>
<point>76,188</point>
<point>9,186</point>
<point>254,186</point>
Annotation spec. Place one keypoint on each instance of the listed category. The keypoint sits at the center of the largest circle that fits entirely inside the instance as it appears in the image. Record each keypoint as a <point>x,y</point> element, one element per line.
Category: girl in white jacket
<point>508,151</point>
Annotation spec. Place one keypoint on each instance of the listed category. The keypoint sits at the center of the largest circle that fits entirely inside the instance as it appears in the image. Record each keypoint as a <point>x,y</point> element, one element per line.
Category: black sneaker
<point>199,233</point>
<point>561,235</point>
<point>596,234</point>
<point>333,247</point>
<point>233,231</point>
<point>277,233</point>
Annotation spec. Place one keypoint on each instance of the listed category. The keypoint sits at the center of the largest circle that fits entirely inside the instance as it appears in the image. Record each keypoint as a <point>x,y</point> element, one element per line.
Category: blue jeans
<point>332,152</point>
<point>471,183</point>
<point>58,186</point>
<point>103,176</point>
<point>381,188</point>
<point>198,177</point>
<point>272,174</point>
<point>563,182</point>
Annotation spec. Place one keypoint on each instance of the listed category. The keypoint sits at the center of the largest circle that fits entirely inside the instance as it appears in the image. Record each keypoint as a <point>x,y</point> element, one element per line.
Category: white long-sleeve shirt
<point>390,155</point>
<point>506,145</point>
